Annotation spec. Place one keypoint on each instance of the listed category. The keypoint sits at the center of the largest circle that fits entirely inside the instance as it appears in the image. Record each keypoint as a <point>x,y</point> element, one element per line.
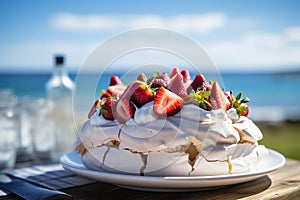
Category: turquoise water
<point>273,96</point>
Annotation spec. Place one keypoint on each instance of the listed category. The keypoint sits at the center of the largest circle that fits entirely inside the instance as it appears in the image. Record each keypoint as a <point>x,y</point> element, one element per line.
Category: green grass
<point>282,137</point>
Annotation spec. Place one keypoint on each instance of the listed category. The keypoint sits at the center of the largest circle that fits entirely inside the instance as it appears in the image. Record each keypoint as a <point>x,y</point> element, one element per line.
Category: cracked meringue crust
<point>194,142</point>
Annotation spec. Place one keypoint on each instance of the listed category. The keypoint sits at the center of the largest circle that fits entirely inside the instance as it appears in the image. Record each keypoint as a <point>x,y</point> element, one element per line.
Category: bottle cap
<point>59,60</point>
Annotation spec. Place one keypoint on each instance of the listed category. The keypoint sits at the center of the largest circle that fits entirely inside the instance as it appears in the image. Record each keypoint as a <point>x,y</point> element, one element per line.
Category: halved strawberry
<point>186,75</point>
<point>142,95</point>
<point>128,92</point>
<point>174,71</point>
<point>94,108</point>
<point>218,98</point>
<point>116,90</point>
<point>124,111</point>
<point>114,80</point>
<point>160,80</point>
<point>176,85</point>
<point>166,103</point>
<point>107,110</point>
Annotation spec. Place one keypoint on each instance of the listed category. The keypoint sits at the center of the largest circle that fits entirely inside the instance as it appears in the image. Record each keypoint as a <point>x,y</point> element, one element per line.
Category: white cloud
<point>258,51</point>
<point>293,33</point>
<point>201,23</point>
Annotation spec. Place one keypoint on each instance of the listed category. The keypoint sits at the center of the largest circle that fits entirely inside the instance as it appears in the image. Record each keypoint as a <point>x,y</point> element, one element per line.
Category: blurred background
<point>254,44</point>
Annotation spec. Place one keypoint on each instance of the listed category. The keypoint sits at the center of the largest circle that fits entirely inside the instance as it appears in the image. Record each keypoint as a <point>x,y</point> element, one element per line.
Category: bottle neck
<point>60,70</point>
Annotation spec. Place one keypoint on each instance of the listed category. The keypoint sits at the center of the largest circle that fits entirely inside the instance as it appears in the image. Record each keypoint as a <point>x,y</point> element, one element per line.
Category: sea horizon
<point>274,95</point>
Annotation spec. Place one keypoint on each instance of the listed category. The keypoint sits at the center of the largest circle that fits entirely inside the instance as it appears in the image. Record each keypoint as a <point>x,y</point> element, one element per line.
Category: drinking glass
<point>9,127</point>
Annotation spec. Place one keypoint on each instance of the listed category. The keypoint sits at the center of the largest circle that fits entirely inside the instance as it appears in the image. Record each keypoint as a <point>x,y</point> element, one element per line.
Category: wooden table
<point>281,184</point>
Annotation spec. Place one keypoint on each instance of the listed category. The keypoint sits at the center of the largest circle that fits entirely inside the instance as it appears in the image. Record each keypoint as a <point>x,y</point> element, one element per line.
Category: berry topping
<point>186,75</point>
<point>244,110</point>
<point>199,82</point>
<point>107,108</point>
<point>105,94</point>
<point>114,80</point>
<point>201,99</point>
<point>116,90</point>
<point>124,110</point>
<point>94,108</point>
<point>142,95</point>
<point>142,77</point>
<point>218,98</point>
<point>174,71</point>
<point>166,103</point>
<point>131,88</point>
<point>176,85</point>
<point>240,105</point>
<point>160,80</point>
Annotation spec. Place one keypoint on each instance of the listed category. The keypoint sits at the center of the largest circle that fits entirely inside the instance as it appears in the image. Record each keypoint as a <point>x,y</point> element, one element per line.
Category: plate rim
<point>145,181</point>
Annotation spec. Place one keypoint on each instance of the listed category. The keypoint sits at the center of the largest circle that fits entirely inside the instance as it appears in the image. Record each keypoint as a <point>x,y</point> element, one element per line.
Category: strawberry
<point>142,95</point>
<point>176,85</point>
<point>174,71</point>
<point>130,89</point>
<point>94,108</point>
<point>244,110</point>
<point>107,108</point>
<point>166,103</point>
<point>142,77</point>
<point>160,80</point>
<point>186,75</point>
<point>198,82</point>
<point>218,98</point>
<point>105,94</point>
<point>124,110</point>
<point>114,80</point>
<point>240,105</point>
<point>116,90</point>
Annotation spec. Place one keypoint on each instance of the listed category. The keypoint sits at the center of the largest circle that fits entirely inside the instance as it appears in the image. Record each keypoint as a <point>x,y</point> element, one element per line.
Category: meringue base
<point>180,161</point>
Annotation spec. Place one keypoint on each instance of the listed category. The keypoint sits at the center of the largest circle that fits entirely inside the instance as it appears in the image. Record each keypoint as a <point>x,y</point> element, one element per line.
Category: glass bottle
<point>59,91</point>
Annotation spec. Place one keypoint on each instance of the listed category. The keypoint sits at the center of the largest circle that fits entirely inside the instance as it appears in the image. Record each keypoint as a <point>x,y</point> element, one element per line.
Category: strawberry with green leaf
<point>107,108</point>
<point>166,103</point>
<point>240,104</point>
<point>142,95</point>
<point>201,99</point>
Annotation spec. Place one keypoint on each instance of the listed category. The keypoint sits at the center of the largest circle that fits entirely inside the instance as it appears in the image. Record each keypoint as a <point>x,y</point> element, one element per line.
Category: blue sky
<point>238,35</point>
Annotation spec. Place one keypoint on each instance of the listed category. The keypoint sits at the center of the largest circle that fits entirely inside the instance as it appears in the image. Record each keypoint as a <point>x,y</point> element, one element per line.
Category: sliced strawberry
<point>107,108</point>
<point>176,85</point>
<point>116,90</point>
<point>114,80</point>
<point>142,77</point>
<point>124,111</point>
<point>218,98</point>
<point>166,103</point>
<point>127,94</point>
<point>186,75</point>
<point>160,80</point>
<point>174,71</point>
<point>142,95</point>
<point>94,108</point>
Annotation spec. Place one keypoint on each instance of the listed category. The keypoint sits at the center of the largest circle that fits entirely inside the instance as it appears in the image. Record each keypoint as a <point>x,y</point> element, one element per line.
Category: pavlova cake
<point>170,125</point>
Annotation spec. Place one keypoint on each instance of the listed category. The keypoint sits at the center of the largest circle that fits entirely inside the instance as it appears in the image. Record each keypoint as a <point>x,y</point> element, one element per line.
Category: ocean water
<point>274,97</point>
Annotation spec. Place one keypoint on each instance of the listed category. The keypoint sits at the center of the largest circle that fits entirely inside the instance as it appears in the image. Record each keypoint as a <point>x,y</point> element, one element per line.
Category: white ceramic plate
<point>71,161</point>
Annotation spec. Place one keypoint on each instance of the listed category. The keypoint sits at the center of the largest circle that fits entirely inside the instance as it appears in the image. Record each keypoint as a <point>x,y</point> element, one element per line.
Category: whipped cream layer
<point>193,142</point>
